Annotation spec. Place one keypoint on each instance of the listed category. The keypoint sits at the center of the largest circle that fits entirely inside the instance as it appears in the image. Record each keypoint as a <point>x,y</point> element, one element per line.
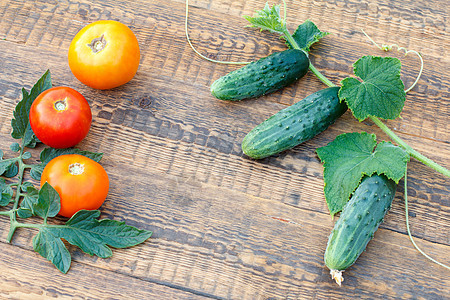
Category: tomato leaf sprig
<point>83,229</point>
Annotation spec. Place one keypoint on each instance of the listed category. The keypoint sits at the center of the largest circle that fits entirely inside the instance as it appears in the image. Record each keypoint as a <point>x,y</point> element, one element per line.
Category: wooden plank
<point>189,135</point>
<point>231,245</point>
<point>226,226</point>
<point>27,276</point>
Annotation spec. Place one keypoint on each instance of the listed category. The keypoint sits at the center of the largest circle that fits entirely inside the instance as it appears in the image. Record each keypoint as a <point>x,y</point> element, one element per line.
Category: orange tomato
<point>60,117</point>
<point>81,182</point>
<point>104,55</point>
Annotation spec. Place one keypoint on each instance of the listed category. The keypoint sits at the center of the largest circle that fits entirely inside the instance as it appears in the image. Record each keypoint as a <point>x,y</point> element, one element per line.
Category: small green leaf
<point>24,213</point>
<point>15,147</point>
<point>48,203</point>
<point>6,166</point>
<point>351,156</point>
<point>11,171</point>
<point>20,123</point>
<point>26,155</point>
<point>52,248</point>
<point>6,193</point>
<point>24,186</point>
<point>29,201</point>
<point>380,93</point>
<point>307,34</point>
<point>268,19</point>
<point>50,153</point>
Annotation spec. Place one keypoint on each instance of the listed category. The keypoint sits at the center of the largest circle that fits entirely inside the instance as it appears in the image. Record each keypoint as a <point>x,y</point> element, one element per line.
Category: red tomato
<point>104,55</point>
<point>60,117</point>
<point>80,182</point>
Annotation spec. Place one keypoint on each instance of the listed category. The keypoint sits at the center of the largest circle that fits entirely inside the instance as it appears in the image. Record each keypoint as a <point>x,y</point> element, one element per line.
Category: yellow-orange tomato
<point>104,55</point>
<point>81,182</point>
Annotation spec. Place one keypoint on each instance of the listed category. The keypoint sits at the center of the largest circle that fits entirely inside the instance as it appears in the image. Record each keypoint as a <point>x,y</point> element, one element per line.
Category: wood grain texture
<point>225,226</point>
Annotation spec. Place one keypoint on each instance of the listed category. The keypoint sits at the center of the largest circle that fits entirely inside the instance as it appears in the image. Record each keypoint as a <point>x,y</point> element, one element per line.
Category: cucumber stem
<point>425,160</point>
<point>313,69</point>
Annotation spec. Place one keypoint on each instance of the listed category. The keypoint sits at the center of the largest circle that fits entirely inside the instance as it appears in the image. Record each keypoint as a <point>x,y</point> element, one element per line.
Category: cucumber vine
<point>84,230</point>
<point>378,94</point>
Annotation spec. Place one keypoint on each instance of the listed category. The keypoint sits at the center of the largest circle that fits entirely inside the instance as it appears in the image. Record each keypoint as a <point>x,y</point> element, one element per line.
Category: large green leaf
<point>380,93</point>
<point>52,248</point>
<point>91,235</point>
<point>50,153</point>
<point>94,236</point>
<point>351,156</point>
<point>48,203</point>
<point>307,34</point>
<point>20,123</point>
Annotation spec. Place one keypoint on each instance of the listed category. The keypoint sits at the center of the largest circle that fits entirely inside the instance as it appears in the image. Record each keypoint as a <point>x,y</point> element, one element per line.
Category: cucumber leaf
<point>380,93</point>
<point>268,19</point>
<point>307,34</point>
<point>21,123</point>
<point>351,156</point>
<point>50,153</point>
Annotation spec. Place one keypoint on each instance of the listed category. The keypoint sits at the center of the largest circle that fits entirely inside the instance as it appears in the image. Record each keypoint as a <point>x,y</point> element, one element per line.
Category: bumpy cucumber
<point>358,222</point>
<point>294,124</point>
<point>263,76</point>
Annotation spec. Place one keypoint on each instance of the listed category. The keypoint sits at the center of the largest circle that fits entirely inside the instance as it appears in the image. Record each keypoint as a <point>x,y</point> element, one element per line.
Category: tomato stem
<point>61,105</point>
<point>12,212</point>
<point>76,169</point>
<point>98,44</point>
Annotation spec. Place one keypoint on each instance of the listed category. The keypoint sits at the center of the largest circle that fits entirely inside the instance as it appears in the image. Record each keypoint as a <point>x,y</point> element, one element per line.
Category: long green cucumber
<point>294,124</point>
<point>263,76</point>
<point>358,222</point>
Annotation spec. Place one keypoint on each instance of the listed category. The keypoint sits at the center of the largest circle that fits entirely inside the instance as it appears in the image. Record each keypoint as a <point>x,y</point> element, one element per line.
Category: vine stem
<point>286,34</point>
<point>409,231</point>
<point>409,149</point>
<point>313,69</point>
<point>12,212</point>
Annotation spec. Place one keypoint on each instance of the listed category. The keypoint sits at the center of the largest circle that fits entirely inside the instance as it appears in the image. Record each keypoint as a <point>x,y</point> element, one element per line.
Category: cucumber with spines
<point>359,220</point>
<point>262,77</point>
<point>295,124</point>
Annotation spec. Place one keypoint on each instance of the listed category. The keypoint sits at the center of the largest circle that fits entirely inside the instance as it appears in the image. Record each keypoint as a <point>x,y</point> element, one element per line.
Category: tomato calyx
<point>76,169</point>
<point>61,105</point>
<point>98,44</point>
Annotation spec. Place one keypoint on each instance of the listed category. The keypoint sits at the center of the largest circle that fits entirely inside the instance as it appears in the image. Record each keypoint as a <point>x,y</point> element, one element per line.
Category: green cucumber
<point>263,76</point>
<point>358,222</point>
<point>294,124</point>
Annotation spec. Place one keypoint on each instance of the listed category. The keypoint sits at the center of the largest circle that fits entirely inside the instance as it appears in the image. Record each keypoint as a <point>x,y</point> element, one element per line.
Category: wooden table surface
<point>225,226</point>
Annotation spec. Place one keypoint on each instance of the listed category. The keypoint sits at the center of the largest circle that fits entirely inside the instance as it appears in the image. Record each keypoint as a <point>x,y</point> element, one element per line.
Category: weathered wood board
<point>226,226</point>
